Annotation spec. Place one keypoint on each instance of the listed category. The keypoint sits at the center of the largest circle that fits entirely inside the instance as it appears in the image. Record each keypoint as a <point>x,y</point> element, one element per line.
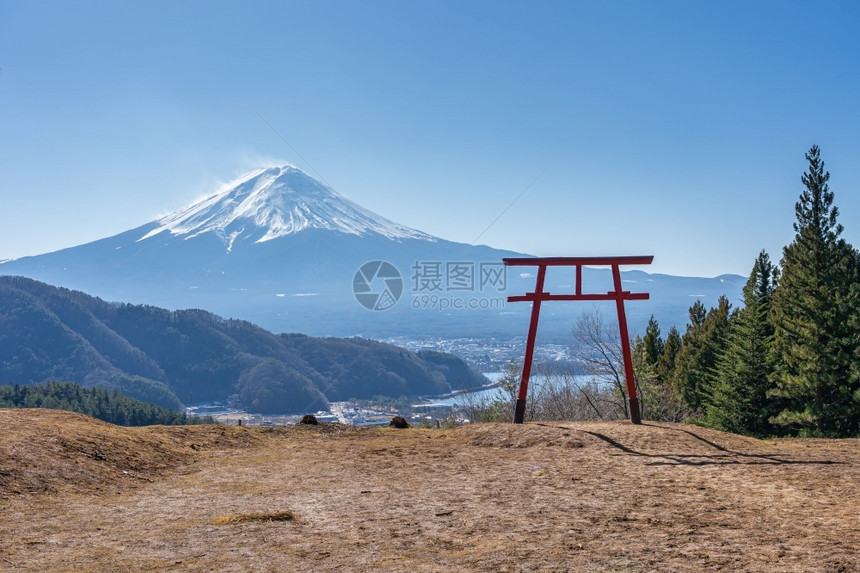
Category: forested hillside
<point>106,405</point>
<point>169,358</point>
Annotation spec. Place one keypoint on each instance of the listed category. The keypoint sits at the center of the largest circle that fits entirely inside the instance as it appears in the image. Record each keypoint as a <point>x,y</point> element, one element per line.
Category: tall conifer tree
<point>739,401</point>
<point>701,345</point>
<point>814,309</point>
<point>671,348</point>
<point>653,344</point>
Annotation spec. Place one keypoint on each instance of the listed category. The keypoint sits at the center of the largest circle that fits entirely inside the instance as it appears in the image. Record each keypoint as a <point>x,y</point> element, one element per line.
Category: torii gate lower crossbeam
<point>539,295</point>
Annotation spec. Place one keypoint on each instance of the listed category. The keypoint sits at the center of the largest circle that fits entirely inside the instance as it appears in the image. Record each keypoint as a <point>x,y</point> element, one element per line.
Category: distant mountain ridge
<point>281,249</point>
<point>169,358</point>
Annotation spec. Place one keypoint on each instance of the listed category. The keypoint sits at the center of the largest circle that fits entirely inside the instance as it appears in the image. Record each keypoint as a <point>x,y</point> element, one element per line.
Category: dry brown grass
<point>79,495</point>
<point>48,450</point>
<point>239,518</point>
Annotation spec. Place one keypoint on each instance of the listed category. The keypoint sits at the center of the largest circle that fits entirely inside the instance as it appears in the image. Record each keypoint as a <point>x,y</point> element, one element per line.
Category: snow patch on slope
<point>275,202</point>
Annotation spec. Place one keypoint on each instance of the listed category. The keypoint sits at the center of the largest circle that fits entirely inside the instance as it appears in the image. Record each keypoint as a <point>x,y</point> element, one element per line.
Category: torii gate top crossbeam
<point>577,261</point>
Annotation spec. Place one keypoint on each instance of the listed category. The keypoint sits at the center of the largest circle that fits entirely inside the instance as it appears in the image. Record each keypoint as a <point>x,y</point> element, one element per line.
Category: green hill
<point>170,357</point>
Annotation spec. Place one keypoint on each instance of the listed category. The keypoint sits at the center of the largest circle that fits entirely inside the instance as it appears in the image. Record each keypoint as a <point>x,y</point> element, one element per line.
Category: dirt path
<point>539,497</point>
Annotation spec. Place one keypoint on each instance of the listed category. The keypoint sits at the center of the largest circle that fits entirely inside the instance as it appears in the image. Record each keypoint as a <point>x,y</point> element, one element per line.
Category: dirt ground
<point>80,495</point>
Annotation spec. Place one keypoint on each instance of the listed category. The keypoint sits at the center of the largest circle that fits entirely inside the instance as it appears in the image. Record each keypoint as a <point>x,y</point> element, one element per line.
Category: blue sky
<point>684,123</point>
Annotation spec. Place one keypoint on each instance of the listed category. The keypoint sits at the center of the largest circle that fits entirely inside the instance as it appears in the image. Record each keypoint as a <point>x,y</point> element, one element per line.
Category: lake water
<point>491,393</point>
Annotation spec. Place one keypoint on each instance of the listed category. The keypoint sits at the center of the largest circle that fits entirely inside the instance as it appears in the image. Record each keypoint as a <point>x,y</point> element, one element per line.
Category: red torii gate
<point>538,296</point>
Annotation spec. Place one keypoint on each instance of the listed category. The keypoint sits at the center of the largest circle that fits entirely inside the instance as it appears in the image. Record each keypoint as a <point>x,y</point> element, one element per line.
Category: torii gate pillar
<point>539,295</point>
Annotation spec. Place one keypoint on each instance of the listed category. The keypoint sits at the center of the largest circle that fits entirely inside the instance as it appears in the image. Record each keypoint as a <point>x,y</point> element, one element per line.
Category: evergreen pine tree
<point>697,315</point>
<point>659,398</point>
<point>666,362</point>
<point>739,400</point>
<point>701,345</point>
<point>652,343</point>
<point>813,311</point>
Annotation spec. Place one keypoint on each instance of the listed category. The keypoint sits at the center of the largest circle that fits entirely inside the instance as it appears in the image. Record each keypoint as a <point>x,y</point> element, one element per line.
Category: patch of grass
<point>239,518</point>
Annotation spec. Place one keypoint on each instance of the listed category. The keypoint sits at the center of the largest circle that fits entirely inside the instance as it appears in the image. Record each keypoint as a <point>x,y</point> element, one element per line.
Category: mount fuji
<point>277,202</point>
<point>285,251</point>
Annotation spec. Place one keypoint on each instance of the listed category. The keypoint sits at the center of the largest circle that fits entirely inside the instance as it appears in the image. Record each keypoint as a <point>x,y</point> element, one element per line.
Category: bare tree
<point>598,348</point>
<point>563,393</point>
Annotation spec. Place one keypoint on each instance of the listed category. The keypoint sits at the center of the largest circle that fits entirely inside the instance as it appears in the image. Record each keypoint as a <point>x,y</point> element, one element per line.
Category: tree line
<point>106,405</point>
<point>788,361</point>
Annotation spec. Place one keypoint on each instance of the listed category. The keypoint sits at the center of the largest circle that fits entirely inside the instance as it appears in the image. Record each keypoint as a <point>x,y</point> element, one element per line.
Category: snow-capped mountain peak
<point>275,202</point>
